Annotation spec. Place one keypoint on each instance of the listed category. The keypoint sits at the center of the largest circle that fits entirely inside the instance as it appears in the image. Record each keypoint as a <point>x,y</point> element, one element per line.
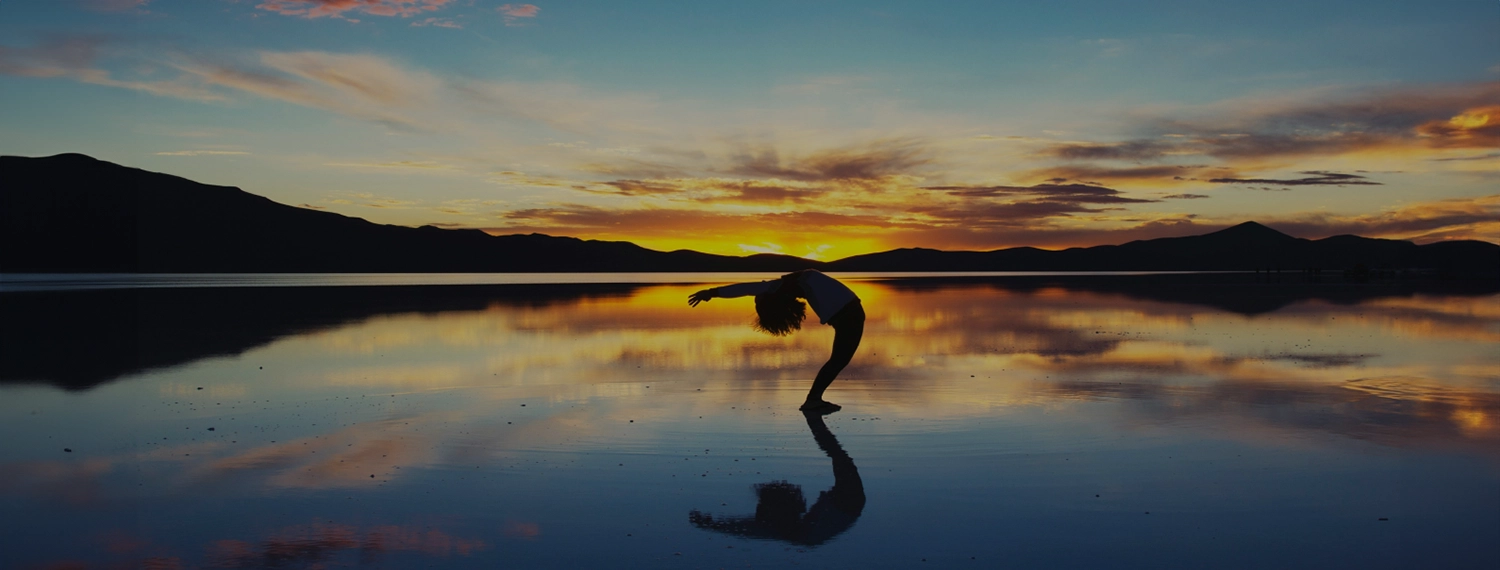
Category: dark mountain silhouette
<point>72,213</point>
<point>1246,247</point>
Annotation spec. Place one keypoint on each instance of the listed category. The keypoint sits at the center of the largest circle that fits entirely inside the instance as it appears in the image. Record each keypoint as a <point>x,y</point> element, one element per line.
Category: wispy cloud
<point>1489,156</point>
<point>1478,127</point>
<point>1313,178</point>
<point>338,8</point>
<point>438,23</point>
<point>870,162</point>
<point>1458,218</point>
<point>54,56</point>
<point>362,86</point>
<point>1154,175</point>
<point>78,57</point>
<point>1053,192</point>
<point>114,5</point>
<point>1245,135</point>
<point>397,164</point>
<point>1130,150</point>
<point>516,13</point>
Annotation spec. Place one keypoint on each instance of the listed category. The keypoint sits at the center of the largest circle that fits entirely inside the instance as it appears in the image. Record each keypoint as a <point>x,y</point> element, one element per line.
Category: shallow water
<point>986,422</point>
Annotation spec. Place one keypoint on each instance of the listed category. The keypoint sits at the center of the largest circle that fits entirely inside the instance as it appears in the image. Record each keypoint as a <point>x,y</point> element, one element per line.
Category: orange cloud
<point>1154,175</point>
<point>1246,135</point>
<point>337,8</point>
<point>986,218</point>
<point>360,86</point>
<point>873,162</point>
<point>514,12</point>
<point>1458,218</point>
<point>519,10</point>
<point>1474,128</point>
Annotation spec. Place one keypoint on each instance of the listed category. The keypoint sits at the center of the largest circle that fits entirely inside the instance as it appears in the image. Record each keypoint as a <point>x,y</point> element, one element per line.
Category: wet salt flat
<point>1128,422</point>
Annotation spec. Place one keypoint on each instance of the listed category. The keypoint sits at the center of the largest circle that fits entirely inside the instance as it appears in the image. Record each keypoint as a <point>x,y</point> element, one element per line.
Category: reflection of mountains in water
<point>78,340</point>
<point>1245,294</point>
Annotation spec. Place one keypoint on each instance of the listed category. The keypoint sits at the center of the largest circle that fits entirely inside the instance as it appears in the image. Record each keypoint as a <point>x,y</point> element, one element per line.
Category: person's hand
<point>700,297</point>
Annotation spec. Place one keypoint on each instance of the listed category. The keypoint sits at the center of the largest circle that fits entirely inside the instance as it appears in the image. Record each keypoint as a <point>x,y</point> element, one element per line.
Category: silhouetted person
<point>778,312</point>
<point>782,512</point>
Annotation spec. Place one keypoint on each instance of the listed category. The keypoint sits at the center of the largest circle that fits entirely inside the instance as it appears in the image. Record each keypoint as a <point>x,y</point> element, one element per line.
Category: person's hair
<point>779,312</point>
<point>781,503</point>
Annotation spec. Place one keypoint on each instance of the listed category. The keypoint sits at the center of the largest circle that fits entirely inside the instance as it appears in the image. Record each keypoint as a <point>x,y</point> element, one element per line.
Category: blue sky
<point>812,128</point>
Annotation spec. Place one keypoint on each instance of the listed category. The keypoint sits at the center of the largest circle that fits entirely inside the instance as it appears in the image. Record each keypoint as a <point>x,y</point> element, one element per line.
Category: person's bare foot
<point>824,407</point>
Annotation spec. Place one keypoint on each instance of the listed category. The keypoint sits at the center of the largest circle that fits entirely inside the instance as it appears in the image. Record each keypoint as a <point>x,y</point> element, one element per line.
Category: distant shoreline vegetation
<point>74,214</point>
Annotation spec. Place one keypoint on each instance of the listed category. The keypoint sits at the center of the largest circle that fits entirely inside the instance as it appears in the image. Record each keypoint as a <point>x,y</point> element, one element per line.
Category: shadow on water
<point>782,512</point>
<point>126,331</point>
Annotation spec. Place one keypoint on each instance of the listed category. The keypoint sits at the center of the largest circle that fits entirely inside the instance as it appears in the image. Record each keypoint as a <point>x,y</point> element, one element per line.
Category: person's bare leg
<point>846,337</point>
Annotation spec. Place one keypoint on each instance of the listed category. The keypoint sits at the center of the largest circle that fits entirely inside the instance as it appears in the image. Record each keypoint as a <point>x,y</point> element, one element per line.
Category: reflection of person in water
<point>782,512</point>
<point>778,312</point>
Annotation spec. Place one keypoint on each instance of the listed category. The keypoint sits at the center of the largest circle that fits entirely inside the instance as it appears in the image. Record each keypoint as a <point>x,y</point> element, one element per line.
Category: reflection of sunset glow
<point>985,332</point>
<point>1471,420</point>
<point>360,456</point>
<point>523,530</point>
<point>515,390</point>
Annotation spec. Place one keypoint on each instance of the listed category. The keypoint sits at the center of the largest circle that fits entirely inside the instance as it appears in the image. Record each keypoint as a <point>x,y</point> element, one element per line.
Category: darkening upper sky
<point>812,128</point>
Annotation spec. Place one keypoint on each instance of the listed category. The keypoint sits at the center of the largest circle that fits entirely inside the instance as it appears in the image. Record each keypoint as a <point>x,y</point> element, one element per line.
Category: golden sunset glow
<point>538,119</point>
<point>280,291</point>
<point>494,415</point>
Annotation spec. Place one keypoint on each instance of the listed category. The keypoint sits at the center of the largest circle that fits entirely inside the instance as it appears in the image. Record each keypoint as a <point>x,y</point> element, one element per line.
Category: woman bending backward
<point>778,312</point>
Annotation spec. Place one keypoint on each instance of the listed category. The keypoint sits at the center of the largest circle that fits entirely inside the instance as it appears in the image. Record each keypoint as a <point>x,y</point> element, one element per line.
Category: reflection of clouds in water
<point>1418,373</point>
<point>1323,360</point>
<point>1397,411</point>
<point>320,543</point>
<point>1458,318</point>
<point>315,545</point>
<point>523,530</point>
<point>344,458</point>
<point>995,334</point>
<point>398,375</point>
<point>75,484</point>
<point>956,353</point>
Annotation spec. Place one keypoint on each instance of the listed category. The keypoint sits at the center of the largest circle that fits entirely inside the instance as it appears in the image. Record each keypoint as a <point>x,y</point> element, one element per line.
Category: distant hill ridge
<point>73,213</point>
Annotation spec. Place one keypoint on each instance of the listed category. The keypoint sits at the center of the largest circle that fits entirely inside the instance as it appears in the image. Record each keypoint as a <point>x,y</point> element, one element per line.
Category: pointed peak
<point>1251,229</point>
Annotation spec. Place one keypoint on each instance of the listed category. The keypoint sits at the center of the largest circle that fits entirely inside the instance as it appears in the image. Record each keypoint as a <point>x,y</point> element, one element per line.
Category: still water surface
<point>986,423</point>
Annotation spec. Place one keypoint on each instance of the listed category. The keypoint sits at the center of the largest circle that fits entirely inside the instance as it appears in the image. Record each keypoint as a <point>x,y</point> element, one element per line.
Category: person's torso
<point>826,294</point>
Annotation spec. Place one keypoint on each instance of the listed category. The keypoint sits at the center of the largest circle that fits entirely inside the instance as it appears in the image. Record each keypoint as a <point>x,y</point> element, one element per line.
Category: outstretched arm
<point>731,291</point>
<point>700,297</point>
